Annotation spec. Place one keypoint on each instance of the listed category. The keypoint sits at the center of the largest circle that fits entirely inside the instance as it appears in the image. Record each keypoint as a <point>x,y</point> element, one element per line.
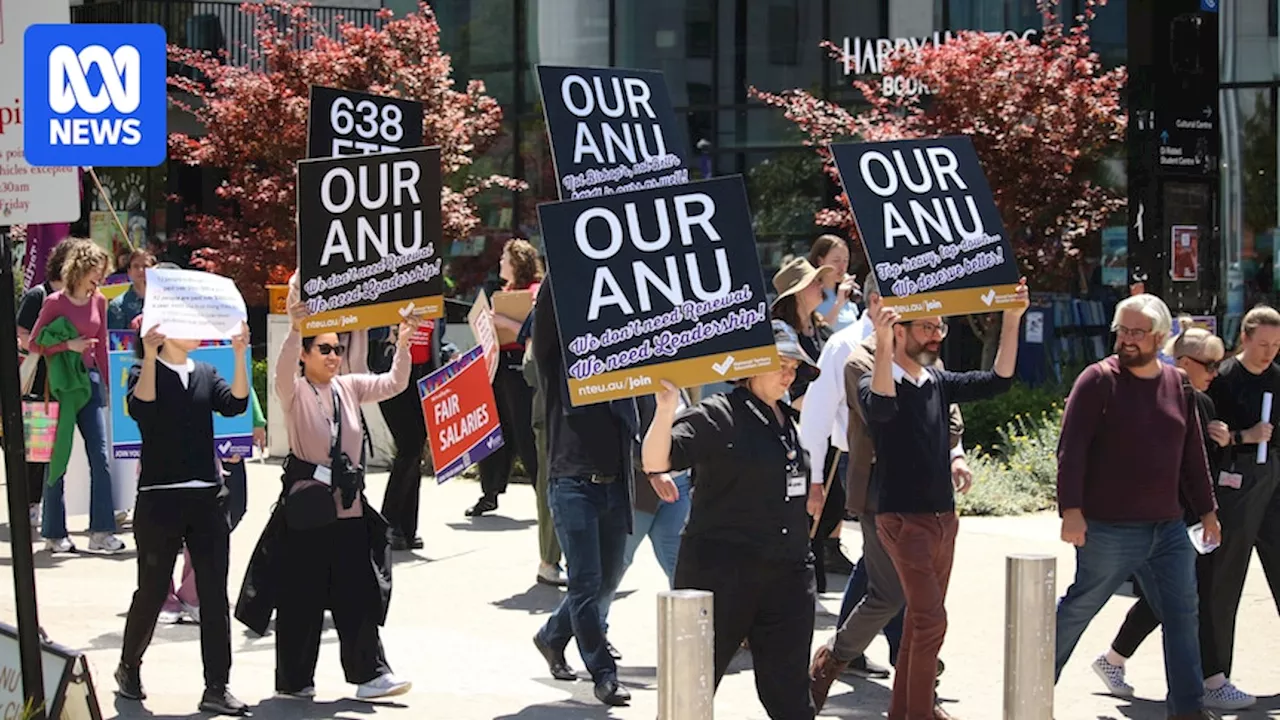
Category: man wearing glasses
<point>905,401</point>
<point>1119,487</point>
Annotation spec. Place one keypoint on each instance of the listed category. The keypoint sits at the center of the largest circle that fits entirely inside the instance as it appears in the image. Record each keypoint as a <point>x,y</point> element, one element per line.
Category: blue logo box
<point>95,95</point>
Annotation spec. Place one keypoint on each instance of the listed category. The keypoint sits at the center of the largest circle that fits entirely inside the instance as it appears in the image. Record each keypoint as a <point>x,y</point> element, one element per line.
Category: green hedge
<point>1023,476</point>
<point>984,421</point>
<point>260,383</point>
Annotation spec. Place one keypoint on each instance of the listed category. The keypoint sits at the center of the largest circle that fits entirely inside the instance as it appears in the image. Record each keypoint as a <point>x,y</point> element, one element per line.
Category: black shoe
<point>862,667</point>
<point>609,692</point>
<point>613,651</point>
<point>399,543</point>
<point>942,667</point>
<point>486,504</point>
<point>129,683</point>
<point>416,543</point>
<point>220,701</point>
<point>556,663</point>
<point>834,558</point>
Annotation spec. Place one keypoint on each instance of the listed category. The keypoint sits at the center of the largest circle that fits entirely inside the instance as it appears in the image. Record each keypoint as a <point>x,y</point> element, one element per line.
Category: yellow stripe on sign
<point>955,302</point>
<point>692,372</point>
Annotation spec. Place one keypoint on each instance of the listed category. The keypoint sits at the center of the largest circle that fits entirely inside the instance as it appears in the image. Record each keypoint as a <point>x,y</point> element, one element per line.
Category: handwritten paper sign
<point>192,305</point>
<point>461,414</point>
<point>486,335</point>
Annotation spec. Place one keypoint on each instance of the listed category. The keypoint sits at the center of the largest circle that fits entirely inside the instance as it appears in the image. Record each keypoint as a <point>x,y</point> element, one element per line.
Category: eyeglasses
<point>930,328</point>
<point>1136,334</point>
<point>327,349</point>
<point>1210,366</point>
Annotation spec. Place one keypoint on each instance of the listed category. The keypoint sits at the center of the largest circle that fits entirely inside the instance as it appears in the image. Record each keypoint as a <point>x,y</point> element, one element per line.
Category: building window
<point>699,22</point>
<point>784,31</point>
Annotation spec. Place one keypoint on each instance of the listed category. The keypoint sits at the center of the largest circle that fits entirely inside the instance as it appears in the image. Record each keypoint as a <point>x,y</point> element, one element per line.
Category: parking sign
<point>95,94</point>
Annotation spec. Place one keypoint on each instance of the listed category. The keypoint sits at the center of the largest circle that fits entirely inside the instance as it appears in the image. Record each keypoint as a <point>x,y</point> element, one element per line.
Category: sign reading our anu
<point>461,414</point>
<point>657,285</point>
<point>349,122</point>
<point>612,131</point>
<point>368,239</point>
<point>929,225</point>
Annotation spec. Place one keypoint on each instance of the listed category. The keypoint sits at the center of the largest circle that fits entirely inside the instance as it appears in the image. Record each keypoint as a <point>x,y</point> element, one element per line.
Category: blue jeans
<point>1160,556</point>
<point>854,591</point>
<point>93,428</point>
<point>663,529</point>
<point>591,522</point>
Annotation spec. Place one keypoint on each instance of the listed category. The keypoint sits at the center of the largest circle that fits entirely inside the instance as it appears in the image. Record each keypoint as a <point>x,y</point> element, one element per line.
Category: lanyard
<point>332,418</point>
<point>788,443</point>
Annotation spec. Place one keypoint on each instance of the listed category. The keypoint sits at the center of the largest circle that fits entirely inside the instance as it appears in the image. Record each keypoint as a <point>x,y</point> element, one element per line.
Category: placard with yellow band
<point>929,225</point>
<point>369,231</point>
<point>654,285</point>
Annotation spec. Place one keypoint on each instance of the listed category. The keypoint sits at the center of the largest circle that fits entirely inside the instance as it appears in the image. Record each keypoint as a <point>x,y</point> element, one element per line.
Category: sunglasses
<point>1209,366</point>
<point>327,349</point>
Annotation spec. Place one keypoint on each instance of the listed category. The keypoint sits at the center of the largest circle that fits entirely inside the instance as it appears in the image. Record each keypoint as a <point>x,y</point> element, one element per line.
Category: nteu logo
<point>95,95</point>
<point>120,89</point>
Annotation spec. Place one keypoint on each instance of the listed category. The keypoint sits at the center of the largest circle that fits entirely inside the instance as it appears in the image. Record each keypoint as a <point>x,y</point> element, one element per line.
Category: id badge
<point>324,475</point>
<point>1230,480</point>
<point>796,485</point>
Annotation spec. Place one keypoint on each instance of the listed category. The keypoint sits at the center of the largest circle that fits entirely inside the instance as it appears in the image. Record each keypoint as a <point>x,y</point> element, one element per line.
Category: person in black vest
<point>747,539</point>
<point>180,501</point>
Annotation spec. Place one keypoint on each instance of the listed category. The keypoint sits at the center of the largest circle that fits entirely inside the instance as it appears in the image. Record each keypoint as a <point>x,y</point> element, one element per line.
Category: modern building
<point>1199,165</point>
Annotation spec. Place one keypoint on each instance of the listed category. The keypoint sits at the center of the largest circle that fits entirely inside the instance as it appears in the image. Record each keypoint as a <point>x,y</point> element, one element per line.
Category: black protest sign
<point>369,238</point>
<point>349,122</point>
<point>611,130</point>
<point>930,228</point>
<point>656,285</point>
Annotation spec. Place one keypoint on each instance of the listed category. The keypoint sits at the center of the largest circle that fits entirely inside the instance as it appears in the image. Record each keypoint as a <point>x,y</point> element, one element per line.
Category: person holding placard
<point>1248,485</point>
<point>330,547</point>
<point>747,540</point>
<point>122,310</point>
<point>181,502</point>
<point>519,271</point>
<point>80,310</point>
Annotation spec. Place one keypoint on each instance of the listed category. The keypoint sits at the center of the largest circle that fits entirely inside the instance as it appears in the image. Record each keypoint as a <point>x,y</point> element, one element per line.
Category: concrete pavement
<point>465,608</point>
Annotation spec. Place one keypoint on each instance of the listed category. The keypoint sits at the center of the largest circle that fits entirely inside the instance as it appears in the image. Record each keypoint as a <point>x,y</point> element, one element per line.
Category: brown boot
<point>824,671</point>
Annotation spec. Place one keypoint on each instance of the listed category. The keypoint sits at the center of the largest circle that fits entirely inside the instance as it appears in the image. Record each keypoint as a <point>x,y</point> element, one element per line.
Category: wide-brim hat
<point>788,345</point>
<point>797,275</point>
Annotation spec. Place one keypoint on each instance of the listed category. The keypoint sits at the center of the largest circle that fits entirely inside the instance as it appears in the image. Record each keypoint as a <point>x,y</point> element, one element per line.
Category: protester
<point>404,417</point>
<point>905,401</point>
<point>123,309</point>
<point>519,270</point>
<point>172,398</point>
<point>1248,491</point>
<point>591,451</point>
<point>28,313</point>
<point>873,599</point>
<point>839,289</point>
<point>71,334</point>
<point>1198,353</point>
<point>549,571</point>
<point>324,547</point>
<point>747,537</point>
<point>1131,444</point>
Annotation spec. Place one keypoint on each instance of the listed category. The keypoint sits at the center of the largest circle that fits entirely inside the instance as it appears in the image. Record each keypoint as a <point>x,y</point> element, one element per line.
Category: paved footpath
<point>465,608</point>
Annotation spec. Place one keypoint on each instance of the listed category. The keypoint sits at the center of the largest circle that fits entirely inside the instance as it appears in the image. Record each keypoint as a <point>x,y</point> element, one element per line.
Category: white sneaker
<point>192,612</point>
<point>305,693</point>
<point>122,517</point>
<point>169,617</point>
<point>1113,677</point>
<point>105,543</point>
<point>1228,697</point>
<point>383,686</point>
<point>59,545</point>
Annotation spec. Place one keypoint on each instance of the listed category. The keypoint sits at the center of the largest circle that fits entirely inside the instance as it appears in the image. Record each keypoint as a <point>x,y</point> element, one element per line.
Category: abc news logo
<point>95,95</point>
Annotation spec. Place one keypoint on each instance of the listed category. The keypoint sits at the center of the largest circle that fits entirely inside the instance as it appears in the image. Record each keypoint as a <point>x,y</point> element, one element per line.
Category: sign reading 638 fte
<point>348,122</point>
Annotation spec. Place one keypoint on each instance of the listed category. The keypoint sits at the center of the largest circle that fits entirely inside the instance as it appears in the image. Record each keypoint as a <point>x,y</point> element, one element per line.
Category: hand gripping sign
<point>368,239</point>
<point>657,285</point>
<point>930,228</point>
<point>461,414</point>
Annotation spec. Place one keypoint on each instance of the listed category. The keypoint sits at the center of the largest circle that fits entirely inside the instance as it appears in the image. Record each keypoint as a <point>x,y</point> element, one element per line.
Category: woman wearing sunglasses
<point>325,547</point>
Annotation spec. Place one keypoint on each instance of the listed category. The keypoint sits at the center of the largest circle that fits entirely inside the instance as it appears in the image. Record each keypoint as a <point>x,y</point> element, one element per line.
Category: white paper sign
<point>192,305</point>
<point>1266,417</point>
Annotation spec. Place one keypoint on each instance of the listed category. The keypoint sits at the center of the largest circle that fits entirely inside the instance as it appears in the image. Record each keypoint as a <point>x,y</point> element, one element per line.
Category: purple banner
<point>41,239</point>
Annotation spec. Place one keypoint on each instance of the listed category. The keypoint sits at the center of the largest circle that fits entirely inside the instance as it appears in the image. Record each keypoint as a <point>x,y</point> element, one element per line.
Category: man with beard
<point>905,401</point>
<point>1131,444</point>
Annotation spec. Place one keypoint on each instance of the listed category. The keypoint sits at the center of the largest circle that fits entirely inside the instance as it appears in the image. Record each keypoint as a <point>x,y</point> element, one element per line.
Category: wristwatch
<point>1237,438</point>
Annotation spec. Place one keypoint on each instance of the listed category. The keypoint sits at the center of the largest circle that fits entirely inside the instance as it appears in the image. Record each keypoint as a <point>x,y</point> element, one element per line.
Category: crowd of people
<point>1166,477</point>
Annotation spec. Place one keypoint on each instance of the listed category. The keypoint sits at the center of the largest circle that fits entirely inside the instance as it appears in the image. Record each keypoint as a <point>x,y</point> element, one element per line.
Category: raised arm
<point>384,386</point>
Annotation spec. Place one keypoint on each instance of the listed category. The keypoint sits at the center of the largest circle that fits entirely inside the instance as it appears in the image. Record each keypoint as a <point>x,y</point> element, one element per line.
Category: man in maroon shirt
<point>1118,490</point>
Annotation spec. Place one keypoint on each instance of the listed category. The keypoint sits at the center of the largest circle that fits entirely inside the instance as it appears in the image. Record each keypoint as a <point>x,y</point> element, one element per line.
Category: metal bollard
<point>686,668</point>
<point>1030,633</point>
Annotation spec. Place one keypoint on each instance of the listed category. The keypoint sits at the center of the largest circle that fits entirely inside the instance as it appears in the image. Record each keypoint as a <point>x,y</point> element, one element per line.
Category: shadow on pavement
<point>537,600</point>
<point>492,523</point>
<point>1139,709</point>
<point>582,706</point>
<point>270,709</point>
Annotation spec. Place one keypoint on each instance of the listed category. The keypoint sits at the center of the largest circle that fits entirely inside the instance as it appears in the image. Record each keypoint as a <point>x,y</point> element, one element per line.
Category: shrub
<point>984,421</point>
<point>1022,476</point>
<point>260,383</point>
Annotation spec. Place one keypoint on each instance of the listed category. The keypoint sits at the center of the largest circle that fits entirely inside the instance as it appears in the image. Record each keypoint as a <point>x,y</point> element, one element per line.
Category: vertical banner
<point>929,225</point>
<point>655,285</point>
<point>611,130</point>
<point>369,231</point>
<point>349,122</point>
<point>232,435</point>
<point>461,414</point>
<point>1184,252</point>
<point>480,319</point>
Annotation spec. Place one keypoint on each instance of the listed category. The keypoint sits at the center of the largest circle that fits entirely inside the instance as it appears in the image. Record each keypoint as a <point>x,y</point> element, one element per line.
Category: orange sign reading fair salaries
<point>461,415</point>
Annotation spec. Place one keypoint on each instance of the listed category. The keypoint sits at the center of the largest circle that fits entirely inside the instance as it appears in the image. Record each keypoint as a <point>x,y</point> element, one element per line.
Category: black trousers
<point>1142,621</point>
<point>770,604</point>
<point>35,482</point>
<point>403,414</point>
<point>515,412</point>
<point>1250,518</point>
<point>832,516</point>
<point>163,521</point>
<point>328,567</point>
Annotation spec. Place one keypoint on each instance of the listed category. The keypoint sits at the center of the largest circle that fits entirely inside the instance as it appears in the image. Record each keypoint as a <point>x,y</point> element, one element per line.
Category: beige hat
<point>796,275</point>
